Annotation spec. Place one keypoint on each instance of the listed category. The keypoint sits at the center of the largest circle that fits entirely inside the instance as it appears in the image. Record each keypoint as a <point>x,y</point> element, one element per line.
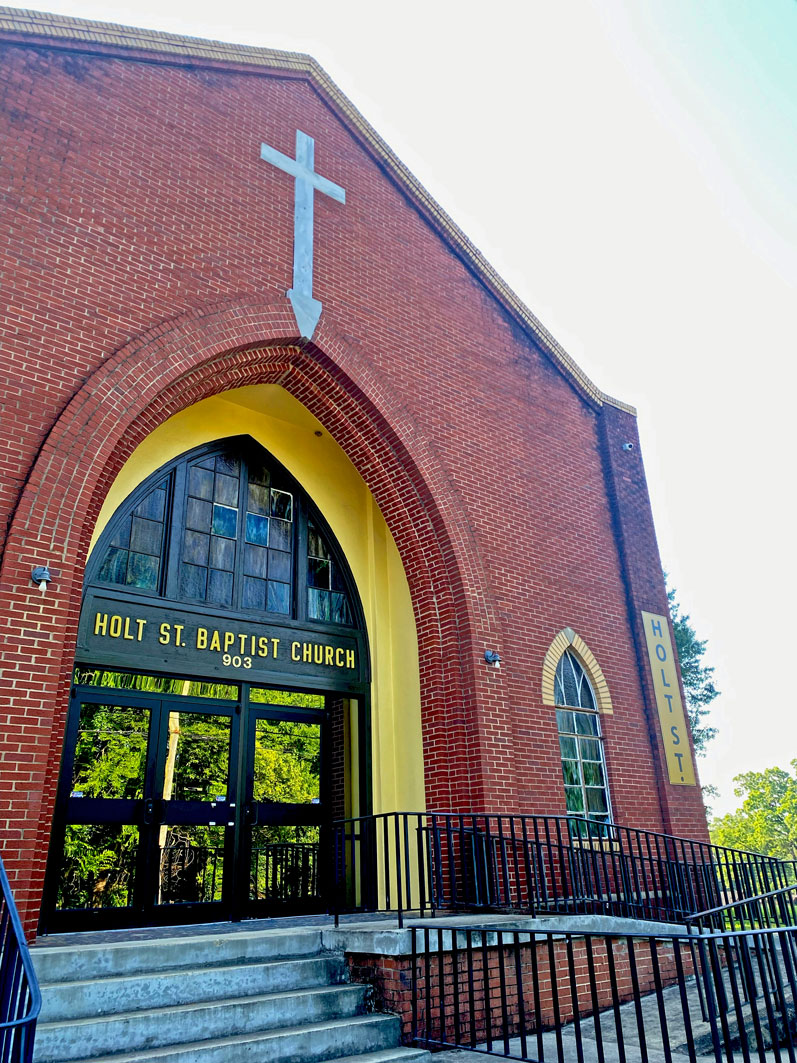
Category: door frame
<point>278,813</point>
<point>234,904</point>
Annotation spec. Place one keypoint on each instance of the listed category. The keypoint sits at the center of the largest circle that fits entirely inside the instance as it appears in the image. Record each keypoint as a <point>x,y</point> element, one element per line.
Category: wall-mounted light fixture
<point>41,575</point>
<point>492,658</point>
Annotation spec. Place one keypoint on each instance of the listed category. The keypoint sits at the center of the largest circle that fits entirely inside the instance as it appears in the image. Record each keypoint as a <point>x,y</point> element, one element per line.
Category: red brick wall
<point>145,250</point>
<point>540,985</point>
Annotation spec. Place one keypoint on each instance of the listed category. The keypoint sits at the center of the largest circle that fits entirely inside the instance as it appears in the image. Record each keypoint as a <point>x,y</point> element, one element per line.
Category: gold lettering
<point>115,627</point>
<point>229,638</point>
<point>215,641</point>
<point>318,653</point>
<point>274,644</point>
<point>349,658</point>
<point>339,657</point>
<point>141,624</point>
<point>178,634</point>
<point>201,638</point>
<point>295,647</point>
<point>242,640</point>
<point>307,652</point>
<point>165,634</point>
<point>101,624</point>
<point>262,646</point>
<point>329,656</point>
<point>127,634</point>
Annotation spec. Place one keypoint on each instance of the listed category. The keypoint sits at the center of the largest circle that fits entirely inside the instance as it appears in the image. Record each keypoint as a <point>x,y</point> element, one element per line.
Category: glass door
<point>104,813</point>
<point>284,810</point>
<point>145,815</point>
<point>187,801</point>
<point>195,808</point>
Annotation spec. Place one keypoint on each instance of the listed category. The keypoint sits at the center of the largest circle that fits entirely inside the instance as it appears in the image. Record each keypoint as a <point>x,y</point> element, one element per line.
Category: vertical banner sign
<point>674,728</point>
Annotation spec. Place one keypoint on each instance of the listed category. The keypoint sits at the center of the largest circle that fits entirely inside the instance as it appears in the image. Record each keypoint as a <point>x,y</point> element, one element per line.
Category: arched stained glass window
<point>134,552</point>
<point>580,742</point>
<point>326,582</point>
<point>228,526</point>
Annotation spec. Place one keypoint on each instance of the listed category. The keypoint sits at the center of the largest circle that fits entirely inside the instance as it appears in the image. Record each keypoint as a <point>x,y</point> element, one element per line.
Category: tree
<point>697,678</point>
<point>767,821</point>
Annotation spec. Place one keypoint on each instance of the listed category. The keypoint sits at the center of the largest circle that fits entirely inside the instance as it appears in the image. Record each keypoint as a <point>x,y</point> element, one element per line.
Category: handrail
<point>775,908</point>
<point>741,900</point>
<point>555,994</point>
<point>428,862</point>
<point>605,825</point>
<point>19,987</point>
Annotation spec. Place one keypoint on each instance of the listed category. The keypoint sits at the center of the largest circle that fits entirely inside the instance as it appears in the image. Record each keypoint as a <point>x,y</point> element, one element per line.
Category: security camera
<point>628,446</point>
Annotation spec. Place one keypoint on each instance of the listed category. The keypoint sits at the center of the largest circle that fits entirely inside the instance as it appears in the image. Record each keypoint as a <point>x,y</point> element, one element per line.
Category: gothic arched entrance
<point>219,714</point>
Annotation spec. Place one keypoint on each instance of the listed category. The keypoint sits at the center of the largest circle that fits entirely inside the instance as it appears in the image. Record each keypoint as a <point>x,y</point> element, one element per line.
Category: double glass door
<point>185,808</point>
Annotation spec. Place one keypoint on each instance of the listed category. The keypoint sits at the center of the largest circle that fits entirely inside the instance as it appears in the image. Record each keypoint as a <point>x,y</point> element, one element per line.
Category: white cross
<point>306,309</point>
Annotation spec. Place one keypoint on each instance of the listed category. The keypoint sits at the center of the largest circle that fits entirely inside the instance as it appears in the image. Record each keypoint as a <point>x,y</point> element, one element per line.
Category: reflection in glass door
<point>107,784</point>
<point>284,811</point>
<point>195,808</point>
<point>145,817</point>
<point>149,824</point>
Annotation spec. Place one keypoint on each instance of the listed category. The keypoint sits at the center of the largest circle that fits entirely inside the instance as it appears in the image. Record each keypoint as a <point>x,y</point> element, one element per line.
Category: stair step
<point>388,1055</point>
<point>57,1042</point>
<point>65,963</point>
<point>358,1039</point>
<point>186,985</point>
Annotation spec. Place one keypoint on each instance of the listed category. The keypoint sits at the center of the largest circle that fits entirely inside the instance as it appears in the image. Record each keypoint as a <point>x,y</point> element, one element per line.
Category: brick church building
<point>305,516</point>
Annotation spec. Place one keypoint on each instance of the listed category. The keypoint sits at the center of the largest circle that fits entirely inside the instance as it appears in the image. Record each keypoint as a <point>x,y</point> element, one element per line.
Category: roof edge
<point>171,46</point>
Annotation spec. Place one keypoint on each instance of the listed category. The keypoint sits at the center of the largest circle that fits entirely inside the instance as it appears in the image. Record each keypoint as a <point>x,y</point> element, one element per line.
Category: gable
<point>205,106</point>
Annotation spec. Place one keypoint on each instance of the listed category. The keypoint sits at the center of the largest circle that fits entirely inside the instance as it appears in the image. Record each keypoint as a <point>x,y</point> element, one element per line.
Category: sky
<point>629,167</point>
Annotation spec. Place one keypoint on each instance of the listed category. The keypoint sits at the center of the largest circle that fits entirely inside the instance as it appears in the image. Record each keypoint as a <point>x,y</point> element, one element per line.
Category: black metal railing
<point>20,999</point>
<point>431,862</point>
<point>525,995</point>
<point>766,911</point>
<point>285,872</point>
<point>190,873</point>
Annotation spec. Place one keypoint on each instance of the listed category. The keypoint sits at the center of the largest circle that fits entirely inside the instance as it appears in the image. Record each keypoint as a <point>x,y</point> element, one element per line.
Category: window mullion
<point>300,562</point>
<point>240,541</point>
<point>175,533</point>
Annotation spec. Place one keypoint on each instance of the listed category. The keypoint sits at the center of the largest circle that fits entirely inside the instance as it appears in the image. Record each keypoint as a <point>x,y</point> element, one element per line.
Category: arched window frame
<point>305,511</point>
<point>582,749</point>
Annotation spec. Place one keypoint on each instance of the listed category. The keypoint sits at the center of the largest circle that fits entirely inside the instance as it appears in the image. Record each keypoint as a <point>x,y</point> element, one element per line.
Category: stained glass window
<point>221,529</point>
<point>133,556</point>
<point>238,537</point>
<point>209,548</point>
<point>580,742</point>
<point>327,598</point>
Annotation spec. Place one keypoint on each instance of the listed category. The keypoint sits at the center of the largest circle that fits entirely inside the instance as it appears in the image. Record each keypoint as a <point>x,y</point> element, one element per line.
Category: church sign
<point>674,728</point>
<point>162,637</point>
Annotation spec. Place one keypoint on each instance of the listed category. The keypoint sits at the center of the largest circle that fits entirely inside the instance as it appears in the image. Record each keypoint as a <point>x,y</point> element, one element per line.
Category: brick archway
<point>138,388</point>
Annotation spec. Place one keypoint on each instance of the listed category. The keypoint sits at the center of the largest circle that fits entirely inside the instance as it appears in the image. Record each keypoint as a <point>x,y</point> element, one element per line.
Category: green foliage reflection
<point>111,752</point>
<point>287,769</point>
<point>99,866</point>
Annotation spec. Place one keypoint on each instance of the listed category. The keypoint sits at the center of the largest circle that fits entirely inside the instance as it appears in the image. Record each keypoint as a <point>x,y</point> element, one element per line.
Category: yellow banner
<point>674,728</point>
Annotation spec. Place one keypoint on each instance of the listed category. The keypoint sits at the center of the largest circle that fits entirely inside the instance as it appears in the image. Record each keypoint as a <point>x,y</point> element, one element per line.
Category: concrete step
<point>136,1031</point>
<point>186,985</point>
<point>389,1055</point>
<point>359,1039</point>
<point>66,963</point>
